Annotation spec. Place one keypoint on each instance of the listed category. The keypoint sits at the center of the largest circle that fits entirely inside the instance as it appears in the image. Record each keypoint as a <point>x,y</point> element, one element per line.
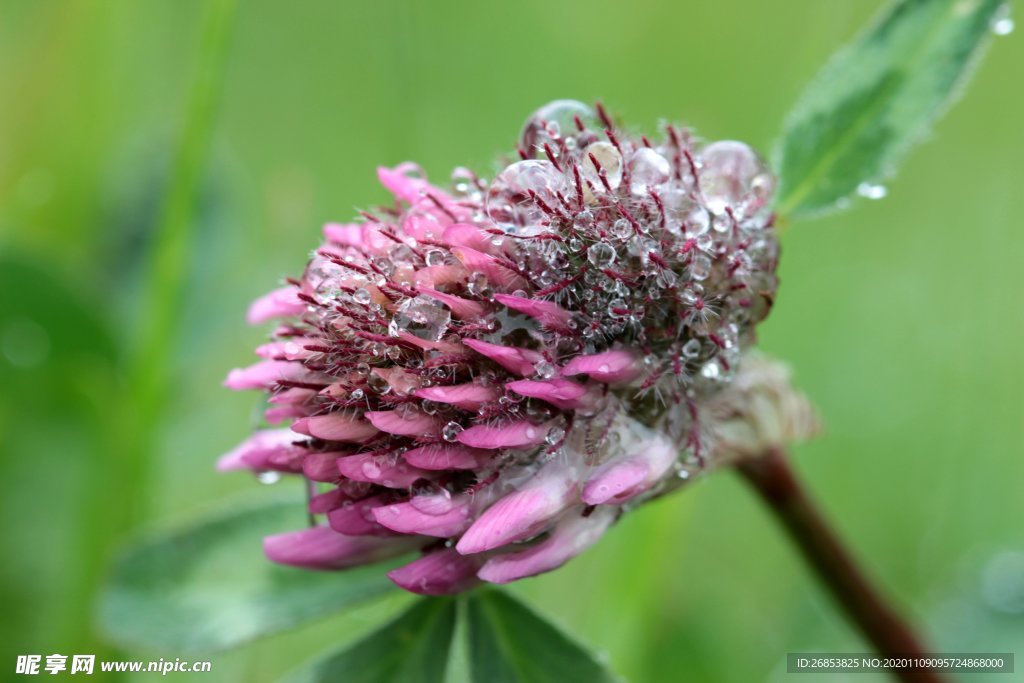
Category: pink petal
<point>466,396</point>
<point>321,547</point>
<point>385,470</point>
<point>497,274</point>
<point>402,383</point>
<point>355,518</point>
<point>326,501</point>
<point>280,303</point>
<point>292,396</point>
<point>438,276</point>
<point>571,536</point>
<point>441,572</point>
<point>449,212</point>
<point>322,466</point>
<point>611,367</point>
<point>519,434</point>
<point>293,349</point>
<point>460,308</point>
<point>467,235</point>
<point>257,451</point>
<point>336,427</point>
<point>448,457</point>
<point>513,359</point>
<point>413,423</point>
<point>279,414</point>
<point>347,234</point>
<point>548,313</point>
<point>523,513</point>
<point>427,345</point>
<point>626,477</point>
<point>364,237</point>
<point>265,374</point>
<point>422,227</point>
<point>407,519</point>
<point>437,501</point>
<point>561,393</point>
<point>403,186</point>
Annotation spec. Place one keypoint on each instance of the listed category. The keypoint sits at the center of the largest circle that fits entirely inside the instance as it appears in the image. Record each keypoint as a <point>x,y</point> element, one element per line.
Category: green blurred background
<point>903,318</point>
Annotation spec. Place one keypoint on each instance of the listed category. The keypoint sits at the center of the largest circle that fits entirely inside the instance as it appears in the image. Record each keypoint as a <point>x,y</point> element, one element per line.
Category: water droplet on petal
<point>544,369</point>
<point>450,432</point>
<point>509,201</point>
<point>370,469</point>
<point>622,229</point>
<point>608,160</point>
<point>700,267</point>
<point>421,317</point>
<point>711,370</point>
<point>554,121</point>
<point>698,222</point>
<point>733,176</point>
<point>554,435</point>
<point>647,170</point>
<point>601,255</point>
<point>378,384</point>
<point>268,477</point>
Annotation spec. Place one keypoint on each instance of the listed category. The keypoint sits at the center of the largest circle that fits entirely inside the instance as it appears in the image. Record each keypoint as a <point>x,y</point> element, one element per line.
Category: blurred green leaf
<point>510,643</point>
<point>208,586</point>
<point>411,649</point>
<point>876,98</point>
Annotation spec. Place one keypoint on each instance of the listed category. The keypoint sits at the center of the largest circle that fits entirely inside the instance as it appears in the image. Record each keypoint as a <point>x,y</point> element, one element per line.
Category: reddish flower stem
<point>774,479</point>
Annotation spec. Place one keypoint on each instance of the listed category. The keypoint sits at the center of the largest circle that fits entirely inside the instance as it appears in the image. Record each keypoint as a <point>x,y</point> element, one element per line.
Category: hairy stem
<point>773,478</point>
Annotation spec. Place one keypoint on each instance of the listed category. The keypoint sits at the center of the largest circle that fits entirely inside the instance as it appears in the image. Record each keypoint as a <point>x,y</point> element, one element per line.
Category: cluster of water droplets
<point>663,246</point>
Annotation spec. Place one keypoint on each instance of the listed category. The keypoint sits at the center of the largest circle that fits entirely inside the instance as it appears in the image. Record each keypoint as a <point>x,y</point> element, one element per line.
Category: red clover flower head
<point>492,374</point>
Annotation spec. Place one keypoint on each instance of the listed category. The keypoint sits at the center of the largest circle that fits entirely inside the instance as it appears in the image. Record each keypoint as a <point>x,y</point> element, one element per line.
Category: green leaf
<point>411,649</point>
<point>510,643</point>
<point>208,586</point>
<point>876,98</point>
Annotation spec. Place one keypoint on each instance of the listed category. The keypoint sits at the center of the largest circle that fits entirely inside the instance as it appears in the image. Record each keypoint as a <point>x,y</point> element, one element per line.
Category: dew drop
<point>700,267</point>
<point>647,170</point>
<point>622,229</point>
<point>691,349</point>
<point>370,470</point>
<point>711,370</point>
<point>553,121</point>
<point>1003,582</point>
<point>450,432</point>
<point>601,255</point>
<point>698,222</point>
<point>1002,22</point>
<point>554,435</point>
<point>733,176</point>
<point>872,191</point>
<point>378,384</point>
<point>509,201</point>
<point>608,159</point>
<point>422,317</point>
<point>544,369</point>
<point>434,257</point>
<point>268,477</point>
